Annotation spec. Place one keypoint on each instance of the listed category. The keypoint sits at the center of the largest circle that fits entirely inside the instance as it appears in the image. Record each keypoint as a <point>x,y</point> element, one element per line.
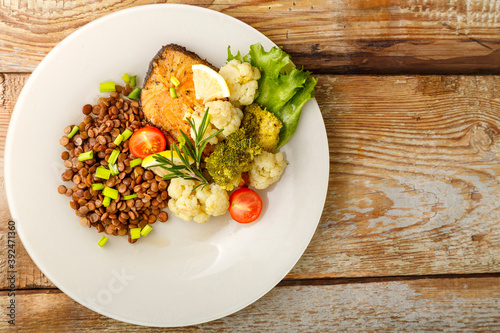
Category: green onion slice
<point>86,156</point>
<point>126,134</point>
<point>145,231</point>
<point>135,233</point>
<point>73,131</point>
<point>173,93</point>
<point>175,81</point>
<point>102,172</point>
<point>118,140</point>
<point>107,87</point>
<point>113,168</point>
<point>134,94</point>
<point>110,192</point>
<point>106,201</point>
<point>97,186</point>
<point>126,78</point>
<point>102,241</point>
<point>133,81</point>
<point>135,162</point>
<point>114,156</point>
<point>128,197</point>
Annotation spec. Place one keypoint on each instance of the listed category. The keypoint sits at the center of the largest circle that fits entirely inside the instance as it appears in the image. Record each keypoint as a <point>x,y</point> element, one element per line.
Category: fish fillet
<point>159,107</point>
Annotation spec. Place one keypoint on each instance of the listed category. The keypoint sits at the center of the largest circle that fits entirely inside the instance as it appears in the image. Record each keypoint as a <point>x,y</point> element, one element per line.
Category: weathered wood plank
<point>414,178</point>
<point>29,276</point>
<point>465,304</point>
<point>336,36</point>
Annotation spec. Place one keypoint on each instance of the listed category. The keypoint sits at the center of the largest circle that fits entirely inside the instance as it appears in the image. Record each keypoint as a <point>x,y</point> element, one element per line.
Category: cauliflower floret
<point>225,116</point>
<point>266,169</point>
<point>199,204</point>
<point>242,80</point>
<point>196,118</point>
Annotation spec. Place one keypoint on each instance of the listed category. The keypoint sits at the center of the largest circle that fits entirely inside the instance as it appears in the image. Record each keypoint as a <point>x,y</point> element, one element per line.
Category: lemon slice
<point>149,162</point>
<point>208,84</point>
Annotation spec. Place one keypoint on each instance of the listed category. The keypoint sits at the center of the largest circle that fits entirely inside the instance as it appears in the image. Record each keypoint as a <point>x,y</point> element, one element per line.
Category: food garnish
<point>107,87</point>
<point>102,241</point>
<point>86,156</point>
<point>135,94</point>
<point>189,154</point>
<point>146,230</point>
<point>135,233</point>
<point>209,85</point>
<point>74,130</point>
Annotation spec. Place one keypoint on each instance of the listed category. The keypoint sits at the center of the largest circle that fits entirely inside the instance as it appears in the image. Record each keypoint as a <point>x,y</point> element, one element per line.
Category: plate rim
<point>9,147</point>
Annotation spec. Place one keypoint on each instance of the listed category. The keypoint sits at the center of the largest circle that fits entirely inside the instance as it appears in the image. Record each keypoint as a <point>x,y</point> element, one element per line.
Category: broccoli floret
<point>261,125</point>
<point>230,158</point>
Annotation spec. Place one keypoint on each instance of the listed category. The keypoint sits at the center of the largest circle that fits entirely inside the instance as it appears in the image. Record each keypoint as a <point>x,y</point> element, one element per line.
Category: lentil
<point>101,125</point>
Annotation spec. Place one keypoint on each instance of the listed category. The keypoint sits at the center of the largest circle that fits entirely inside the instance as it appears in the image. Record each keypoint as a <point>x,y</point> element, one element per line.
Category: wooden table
<point>409,239</point>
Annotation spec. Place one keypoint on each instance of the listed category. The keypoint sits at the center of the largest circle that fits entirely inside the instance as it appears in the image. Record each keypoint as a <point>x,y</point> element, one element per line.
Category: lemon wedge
<point>208,84</point>
<point>149,162</point>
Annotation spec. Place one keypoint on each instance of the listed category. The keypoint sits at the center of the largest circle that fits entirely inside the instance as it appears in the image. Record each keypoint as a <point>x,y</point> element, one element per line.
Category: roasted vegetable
<point>171,68</point>
<point>261,125</point>
<point>230,158</point>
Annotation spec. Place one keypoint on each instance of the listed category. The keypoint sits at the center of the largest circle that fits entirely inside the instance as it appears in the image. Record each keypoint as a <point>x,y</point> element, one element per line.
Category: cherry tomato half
<point>146,141</point>
<point>245,205</point>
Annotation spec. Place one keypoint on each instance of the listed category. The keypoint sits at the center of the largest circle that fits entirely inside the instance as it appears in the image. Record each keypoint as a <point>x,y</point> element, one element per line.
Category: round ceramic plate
<point>182,273</point>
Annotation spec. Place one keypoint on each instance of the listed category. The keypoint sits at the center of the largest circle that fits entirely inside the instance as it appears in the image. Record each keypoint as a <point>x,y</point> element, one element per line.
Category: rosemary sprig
<point>185,150</point>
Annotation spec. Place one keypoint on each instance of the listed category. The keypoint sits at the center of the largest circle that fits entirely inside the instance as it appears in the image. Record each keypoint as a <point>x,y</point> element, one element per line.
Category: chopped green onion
<point>86,156</point>
<point>173,93</point>
<point>107,87</point>
<point>114,156</point>
<point>97,186</point>
<point>135,233</point>
<point>102,172</point>
<point>145,231</point>
<point>102,241</point>
<point>73,131</point>
<point>113,168</point>
<point>134,94</point>
<point>126,134</point>
<point>135,162</point>
<point>128,197</point>
<point>133,81</point>
<point>106,201</point>
<point>118,140</point>
<point>110,192</point>
<point>175,81</point>
<point>126,78</point>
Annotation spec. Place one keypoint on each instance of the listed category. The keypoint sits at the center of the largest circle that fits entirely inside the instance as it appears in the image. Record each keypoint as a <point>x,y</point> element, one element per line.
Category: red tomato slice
<point>245,205</point>
<point>146,141</point>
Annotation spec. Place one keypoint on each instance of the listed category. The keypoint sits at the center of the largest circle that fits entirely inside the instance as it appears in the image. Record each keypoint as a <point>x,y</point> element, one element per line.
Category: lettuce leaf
<point>290,113</point>
<point>283,88</point>
<point>237,56</point>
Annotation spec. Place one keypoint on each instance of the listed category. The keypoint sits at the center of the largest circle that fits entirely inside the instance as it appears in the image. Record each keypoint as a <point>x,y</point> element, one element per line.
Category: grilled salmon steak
<point>159,107</point>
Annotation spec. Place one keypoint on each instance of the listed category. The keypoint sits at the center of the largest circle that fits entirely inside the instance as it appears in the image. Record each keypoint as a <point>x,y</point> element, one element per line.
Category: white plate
<point>182,273</point>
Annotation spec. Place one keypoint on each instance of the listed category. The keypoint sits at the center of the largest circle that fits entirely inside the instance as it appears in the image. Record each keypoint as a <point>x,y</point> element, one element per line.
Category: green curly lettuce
<point>283,88</point>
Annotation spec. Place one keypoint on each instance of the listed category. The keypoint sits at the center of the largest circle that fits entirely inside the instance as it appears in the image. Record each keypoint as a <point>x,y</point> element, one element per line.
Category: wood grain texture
<point>450,305</point>
<point>414,178</point>
<point>335,36</point>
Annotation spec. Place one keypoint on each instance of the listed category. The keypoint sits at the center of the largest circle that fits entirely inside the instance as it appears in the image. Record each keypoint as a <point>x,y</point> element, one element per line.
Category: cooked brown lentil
<point>102,123</point>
